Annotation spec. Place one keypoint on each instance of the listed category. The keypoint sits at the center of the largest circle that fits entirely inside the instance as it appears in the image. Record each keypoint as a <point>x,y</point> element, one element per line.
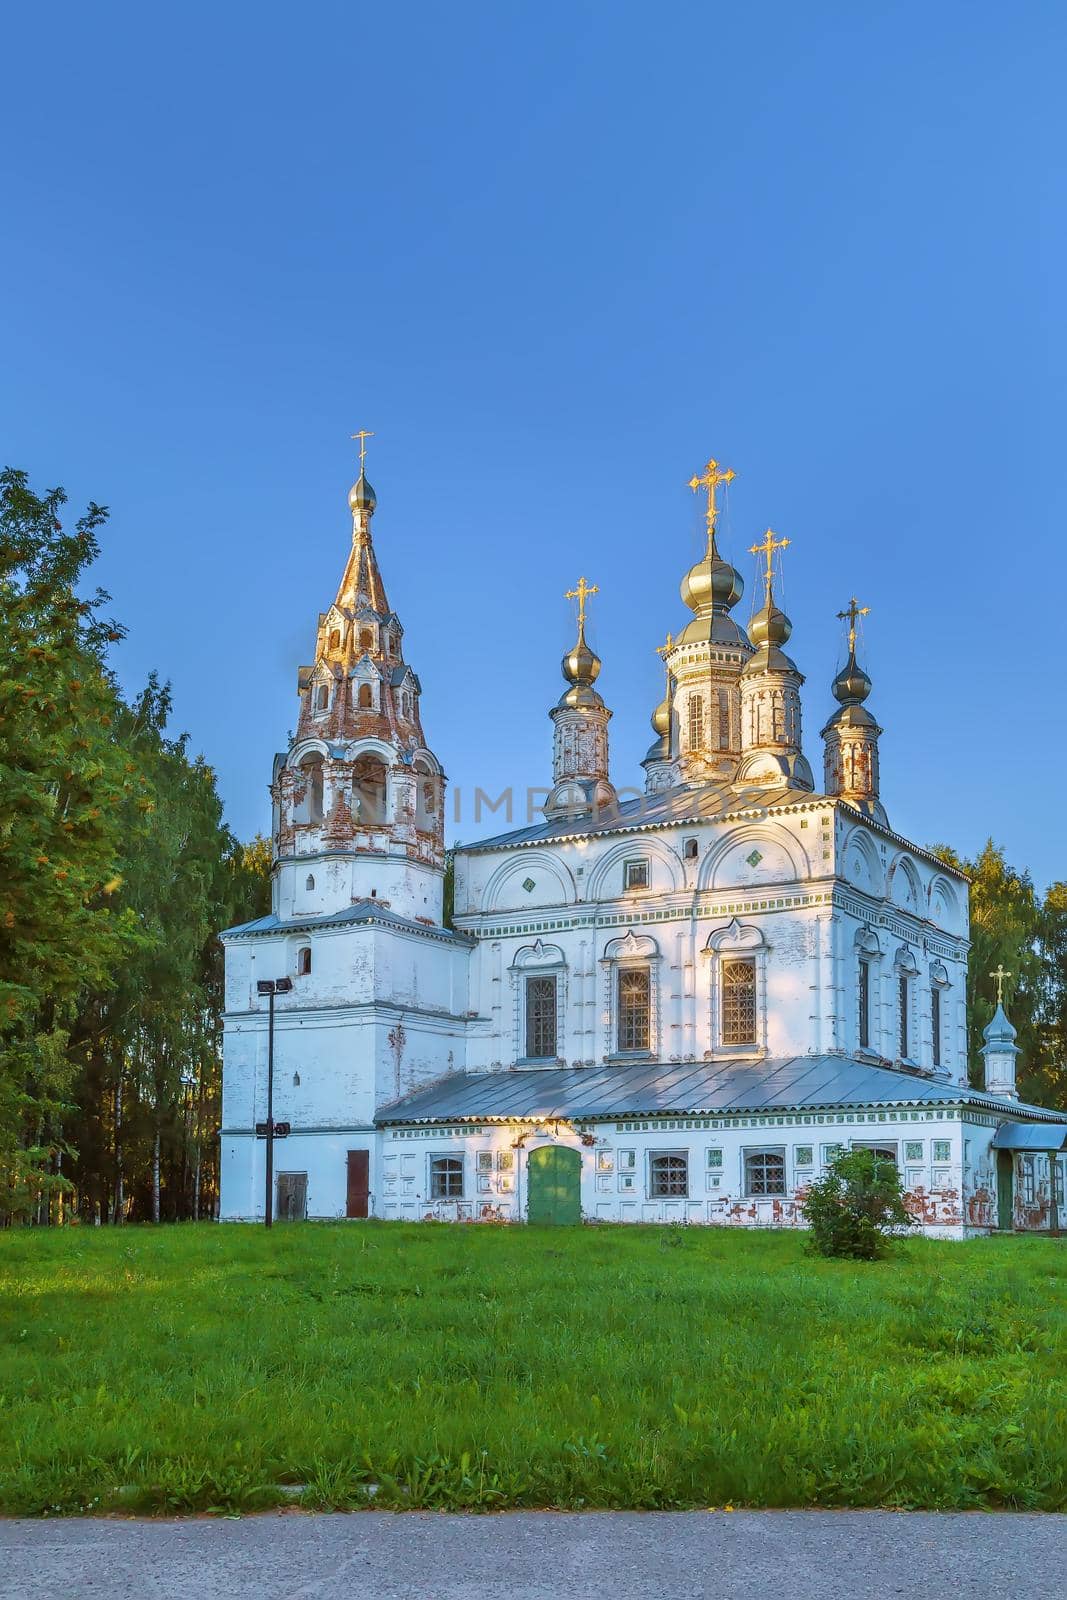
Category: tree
<point>116,872</point>
<point>855,1208</point>
<point>1006,928</point>
<point>63,782</point>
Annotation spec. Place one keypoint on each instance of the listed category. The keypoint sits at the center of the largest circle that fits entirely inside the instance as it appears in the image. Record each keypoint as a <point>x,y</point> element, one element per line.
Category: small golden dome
<point>769,626</point>
<point>661,718</point>
<point>361,497</point>
<point>580,665</point>
<point>852,685</point>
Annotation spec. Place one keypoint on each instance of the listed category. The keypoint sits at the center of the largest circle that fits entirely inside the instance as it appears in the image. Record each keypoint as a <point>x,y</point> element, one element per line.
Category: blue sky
<point>555,255</point>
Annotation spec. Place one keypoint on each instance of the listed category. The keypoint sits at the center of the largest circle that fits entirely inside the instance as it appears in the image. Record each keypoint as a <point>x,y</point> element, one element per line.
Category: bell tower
<point>770,695</point>
<point>698,724</point>
<point>358,796</point>
<point>580,781</point>
<point>850,737</point>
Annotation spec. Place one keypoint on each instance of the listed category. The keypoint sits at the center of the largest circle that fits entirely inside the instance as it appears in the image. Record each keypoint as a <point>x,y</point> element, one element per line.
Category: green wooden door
<point>554,1179</point>
<point>1005,1198</point>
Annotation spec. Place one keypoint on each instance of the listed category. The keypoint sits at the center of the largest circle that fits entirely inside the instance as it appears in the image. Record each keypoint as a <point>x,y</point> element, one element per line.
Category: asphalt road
<point>802,1555</point>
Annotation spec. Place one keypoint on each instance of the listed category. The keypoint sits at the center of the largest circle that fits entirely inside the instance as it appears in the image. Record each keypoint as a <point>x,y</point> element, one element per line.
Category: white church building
<point>671,1008</point>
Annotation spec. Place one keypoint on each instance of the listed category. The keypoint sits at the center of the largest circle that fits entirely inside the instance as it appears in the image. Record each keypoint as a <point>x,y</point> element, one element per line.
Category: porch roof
<point>635,1089</point>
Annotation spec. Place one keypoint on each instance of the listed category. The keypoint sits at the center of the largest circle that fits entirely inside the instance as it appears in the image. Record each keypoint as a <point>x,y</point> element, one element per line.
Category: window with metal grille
<point>739,1002</point>
<point>635,875</point>
<point>724,720</point>
<point>446,1178</point>
<point>865,1005</point>
<point>668,1174</point>
<point>696,721</point>
<point>764,1172</point>
<point>902,987</point>
<point>635,1006</point>
<point>935,1018</point>
<point>540,1018</point>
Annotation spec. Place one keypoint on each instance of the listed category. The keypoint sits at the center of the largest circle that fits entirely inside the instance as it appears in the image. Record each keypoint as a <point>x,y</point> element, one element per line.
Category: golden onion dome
<point>580,665</point>
<point>852,685</point>
<point>769,626</point>
<point>361,497</point>
<point>712,584</point>
<point>661,718</point>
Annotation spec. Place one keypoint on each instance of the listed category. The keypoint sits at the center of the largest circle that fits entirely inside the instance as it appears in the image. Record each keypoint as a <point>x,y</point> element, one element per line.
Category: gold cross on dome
<point>363,435</point>
<point>712,477</point>
<point>581,594</point>
<point>767,548</point>
<point>998,978</point>
<point>851,615</point>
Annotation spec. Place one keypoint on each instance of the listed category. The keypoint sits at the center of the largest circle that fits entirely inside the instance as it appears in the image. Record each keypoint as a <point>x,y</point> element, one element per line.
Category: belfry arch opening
<point>368,789</point>
<point>427,796</point>
<point>310,779</point>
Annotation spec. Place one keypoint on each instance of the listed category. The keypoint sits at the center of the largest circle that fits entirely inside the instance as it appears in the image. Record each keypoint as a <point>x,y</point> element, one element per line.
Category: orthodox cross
<point>852,616</point>
<point>581,594</point>
<point>767,548</point>
<point>713,476</point>
<point>998,978</point>
<point>362,436</point>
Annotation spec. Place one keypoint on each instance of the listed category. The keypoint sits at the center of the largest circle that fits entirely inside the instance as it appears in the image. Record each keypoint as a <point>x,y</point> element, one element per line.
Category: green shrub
<point>854,1209</point>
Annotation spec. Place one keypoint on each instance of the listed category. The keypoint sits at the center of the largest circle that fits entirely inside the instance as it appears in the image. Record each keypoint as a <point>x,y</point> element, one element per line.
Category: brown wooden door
<point>358,1184</point>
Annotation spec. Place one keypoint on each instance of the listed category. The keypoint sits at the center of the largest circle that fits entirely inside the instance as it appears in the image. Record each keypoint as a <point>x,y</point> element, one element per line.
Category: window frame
<point>636,874</point>
<point>751,965</point>
<point>670,1174</point>
<point>863,1002</point>
<point>695,721</point>
<point>624,973</point>
<point>904,1014</point>
<point>529,1022</point>
<point>456,1168</point>
<point>758,1152</point>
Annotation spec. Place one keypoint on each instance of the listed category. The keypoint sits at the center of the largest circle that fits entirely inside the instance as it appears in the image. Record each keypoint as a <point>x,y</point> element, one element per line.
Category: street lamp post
<point>271,987</point>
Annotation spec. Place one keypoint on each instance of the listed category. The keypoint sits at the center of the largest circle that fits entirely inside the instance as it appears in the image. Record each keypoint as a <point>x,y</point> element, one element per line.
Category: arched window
<point>366,697</point>
<point>310,884</point>
<point>309,803</point>
<point>739,1020</point>
<point>366,639</point>
<point>405,705</point>
<point>368,789</point>
<point>303,961</point>
<point>322,697</point>
<point>634,1008</point>
<point>690,850</point>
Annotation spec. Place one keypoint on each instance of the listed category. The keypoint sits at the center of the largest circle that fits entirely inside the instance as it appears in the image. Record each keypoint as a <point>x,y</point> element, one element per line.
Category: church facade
<point>675,1007</point>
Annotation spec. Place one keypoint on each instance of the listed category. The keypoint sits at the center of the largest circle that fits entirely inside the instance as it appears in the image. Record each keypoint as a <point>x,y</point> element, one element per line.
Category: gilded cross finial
<point>713,475</point>
<point>851,615</point>
<point>998,978</point>
<point>363,435</point>
<point>581,594</point>
<point>766,549</point>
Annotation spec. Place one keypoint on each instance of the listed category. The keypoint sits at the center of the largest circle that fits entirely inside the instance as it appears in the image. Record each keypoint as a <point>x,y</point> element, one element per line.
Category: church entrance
<point>554,1179</point>
<point>1005,1198</point>
<point>357,1198</point>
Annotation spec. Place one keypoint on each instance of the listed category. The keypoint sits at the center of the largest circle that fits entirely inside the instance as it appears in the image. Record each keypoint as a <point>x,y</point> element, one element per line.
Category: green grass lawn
<point>202,1367</point>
